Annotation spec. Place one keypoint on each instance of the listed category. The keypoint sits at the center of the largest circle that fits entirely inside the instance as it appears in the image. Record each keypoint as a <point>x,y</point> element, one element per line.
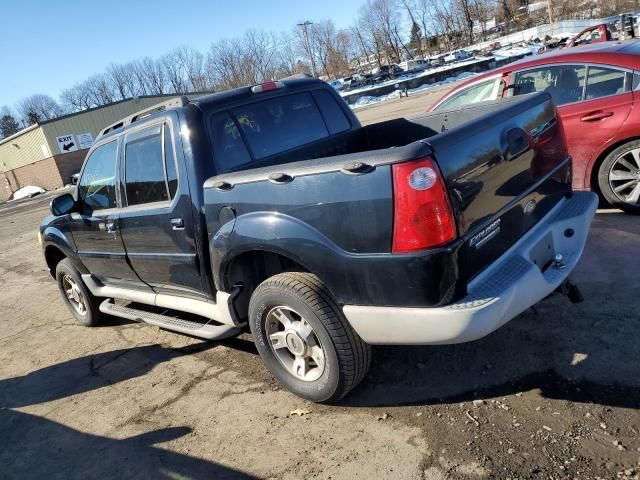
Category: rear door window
<point>144,167</point>
<point>280,124</point>
<point>603,82</point>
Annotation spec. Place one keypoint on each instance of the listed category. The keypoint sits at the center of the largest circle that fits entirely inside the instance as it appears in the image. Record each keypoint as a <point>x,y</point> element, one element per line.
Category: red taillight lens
<point>423,217</point>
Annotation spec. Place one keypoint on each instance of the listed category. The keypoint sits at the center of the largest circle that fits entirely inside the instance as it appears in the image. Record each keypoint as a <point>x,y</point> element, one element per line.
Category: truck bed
<point>502,160</point>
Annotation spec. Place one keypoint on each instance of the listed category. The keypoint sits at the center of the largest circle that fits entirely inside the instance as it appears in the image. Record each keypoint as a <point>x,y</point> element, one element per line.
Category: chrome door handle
<point>177,224</point>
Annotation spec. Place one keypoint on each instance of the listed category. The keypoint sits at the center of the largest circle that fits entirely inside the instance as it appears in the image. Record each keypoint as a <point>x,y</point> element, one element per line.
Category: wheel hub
<point>295,344</point>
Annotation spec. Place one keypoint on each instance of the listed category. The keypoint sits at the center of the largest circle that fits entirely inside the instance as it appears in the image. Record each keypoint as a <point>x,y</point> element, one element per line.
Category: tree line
<point>385,31</point>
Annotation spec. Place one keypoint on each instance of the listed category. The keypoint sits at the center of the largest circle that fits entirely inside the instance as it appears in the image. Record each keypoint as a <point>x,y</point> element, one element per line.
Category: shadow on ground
<point>33,447</point>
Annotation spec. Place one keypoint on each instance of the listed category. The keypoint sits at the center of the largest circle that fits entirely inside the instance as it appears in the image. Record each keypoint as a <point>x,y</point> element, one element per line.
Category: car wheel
<point>619,177</point>
<point>304,339</point>
<point>82,304</point>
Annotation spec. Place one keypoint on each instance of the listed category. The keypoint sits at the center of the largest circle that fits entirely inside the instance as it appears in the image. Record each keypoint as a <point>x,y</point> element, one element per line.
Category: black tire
<point>66,272</point>
<point>346,356</point>
<point>604,173</point>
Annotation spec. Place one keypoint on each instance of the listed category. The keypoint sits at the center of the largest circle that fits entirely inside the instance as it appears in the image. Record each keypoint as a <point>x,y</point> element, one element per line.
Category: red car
<point>595,88</point>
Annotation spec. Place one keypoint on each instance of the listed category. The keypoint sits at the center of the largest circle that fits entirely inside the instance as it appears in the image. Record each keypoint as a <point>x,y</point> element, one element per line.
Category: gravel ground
<point>553,394</point>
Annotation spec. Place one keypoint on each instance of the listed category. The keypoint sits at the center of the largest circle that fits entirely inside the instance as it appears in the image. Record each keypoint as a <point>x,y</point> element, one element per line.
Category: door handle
<point>595,116</point>
<point>177,224</point>
<point>108,227</point>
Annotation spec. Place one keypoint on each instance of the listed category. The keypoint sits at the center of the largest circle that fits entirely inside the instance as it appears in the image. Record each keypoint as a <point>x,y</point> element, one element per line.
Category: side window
<point>97,187</point>
<point>144,167</point>
<point>228,148</point>
<point>602,82</point>
<point>170,162</point>
<point>333,115</point>
<point>280,124</point>
<point>565,83</point>
<point>480,92</point>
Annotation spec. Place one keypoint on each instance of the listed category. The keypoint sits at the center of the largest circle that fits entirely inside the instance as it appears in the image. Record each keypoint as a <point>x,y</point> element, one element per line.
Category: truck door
<point>95,228</point>
<point>156,219</point>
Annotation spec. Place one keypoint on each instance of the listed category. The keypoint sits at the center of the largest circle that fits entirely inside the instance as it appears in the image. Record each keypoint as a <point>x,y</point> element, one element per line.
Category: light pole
<point>305,25</point>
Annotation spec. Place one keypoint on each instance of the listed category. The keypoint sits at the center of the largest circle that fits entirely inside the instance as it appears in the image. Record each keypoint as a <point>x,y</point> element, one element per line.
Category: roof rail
<point>176,102</point>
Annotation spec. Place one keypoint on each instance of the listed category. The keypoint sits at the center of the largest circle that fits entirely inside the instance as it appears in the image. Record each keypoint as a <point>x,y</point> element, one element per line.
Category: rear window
<point>280,124</point>
<point>333,115</point>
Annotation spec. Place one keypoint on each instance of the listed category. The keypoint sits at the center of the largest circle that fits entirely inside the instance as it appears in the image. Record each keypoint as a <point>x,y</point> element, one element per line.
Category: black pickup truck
<point>272,206</point>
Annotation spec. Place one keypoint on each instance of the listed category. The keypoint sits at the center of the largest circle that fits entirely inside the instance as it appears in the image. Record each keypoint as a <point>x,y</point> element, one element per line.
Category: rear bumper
<point>505,289</point>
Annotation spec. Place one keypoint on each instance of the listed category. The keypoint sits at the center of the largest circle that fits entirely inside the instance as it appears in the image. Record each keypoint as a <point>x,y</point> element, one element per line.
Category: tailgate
<point>505,170</point>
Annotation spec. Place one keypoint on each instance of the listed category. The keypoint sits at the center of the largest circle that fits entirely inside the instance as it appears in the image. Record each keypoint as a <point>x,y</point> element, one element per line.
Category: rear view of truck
<point>433,230</point>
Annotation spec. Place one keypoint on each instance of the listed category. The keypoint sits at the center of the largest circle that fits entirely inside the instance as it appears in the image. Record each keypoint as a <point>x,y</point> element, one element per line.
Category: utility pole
<point>550,10</point>
<point>305,26</point>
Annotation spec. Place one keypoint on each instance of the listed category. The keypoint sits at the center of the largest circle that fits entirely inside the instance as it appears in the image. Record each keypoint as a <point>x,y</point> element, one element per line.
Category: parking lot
<point>553,394</point>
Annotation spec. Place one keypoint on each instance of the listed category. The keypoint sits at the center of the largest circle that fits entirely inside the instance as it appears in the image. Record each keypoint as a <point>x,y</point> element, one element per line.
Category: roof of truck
<point>242,93</point>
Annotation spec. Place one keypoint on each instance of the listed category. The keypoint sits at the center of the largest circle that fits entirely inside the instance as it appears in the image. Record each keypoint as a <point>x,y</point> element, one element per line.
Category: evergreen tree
<point>8,124</point>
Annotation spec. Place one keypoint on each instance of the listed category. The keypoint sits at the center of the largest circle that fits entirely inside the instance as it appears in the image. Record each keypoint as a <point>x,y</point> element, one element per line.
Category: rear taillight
<point>423,217</point>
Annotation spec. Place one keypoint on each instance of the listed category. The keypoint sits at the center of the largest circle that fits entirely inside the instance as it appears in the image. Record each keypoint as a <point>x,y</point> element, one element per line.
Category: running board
<point>207,330</point>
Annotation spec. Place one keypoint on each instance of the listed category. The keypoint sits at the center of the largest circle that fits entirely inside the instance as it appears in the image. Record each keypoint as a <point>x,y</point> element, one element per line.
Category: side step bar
<point>207,330</point>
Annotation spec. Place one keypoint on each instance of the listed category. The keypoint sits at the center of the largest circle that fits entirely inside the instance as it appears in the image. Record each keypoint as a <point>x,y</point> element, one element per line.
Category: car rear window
<point>280,124</point>
<point>333,115</point>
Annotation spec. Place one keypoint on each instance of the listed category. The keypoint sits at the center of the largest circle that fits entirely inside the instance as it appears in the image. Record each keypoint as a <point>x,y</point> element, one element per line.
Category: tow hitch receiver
<point>571,291</point>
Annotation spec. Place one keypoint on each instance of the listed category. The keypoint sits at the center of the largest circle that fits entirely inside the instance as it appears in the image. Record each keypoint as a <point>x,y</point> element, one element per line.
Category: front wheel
<point>619,177</point>
<point>82,304</point>
<point>304,339</point>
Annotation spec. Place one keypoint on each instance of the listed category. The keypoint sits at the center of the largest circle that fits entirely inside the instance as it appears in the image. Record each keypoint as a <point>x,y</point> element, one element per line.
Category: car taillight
<point>423,217</point>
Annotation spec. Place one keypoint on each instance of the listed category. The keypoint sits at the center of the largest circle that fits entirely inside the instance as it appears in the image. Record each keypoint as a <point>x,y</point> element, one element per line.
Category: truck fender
<point>53,237</point>
<point>275,233</point>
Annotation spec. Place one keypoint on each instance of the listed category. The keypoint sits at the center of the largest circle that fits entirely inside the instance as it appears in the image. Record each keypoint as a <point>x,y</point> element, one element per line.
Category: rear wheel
<point>619,177</point>
<point>82,304</point>
<point>304,339</point>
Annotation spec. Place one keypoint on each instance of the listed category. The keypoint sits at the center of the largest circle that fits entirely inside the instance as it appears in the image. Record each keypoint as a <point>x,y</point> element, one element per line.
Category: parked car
<point>595,89</point>
<point>337,84</point>
<point>271,206</point>
<point>457,56</point>
<point>415,65</point>
<point>620,27</point>
<point>492,47</point>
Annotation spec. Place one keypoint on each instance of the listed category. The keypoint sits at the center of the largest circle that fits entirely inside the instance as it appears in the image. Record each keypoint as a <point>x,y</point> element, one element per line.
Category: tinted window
<point>97,187</point>
<point>333,115</point>
<point>602,82</point>
<point>170,162</point>
<point>276,125</point>
<point>479,92</point>
<point>144,170</point>
<point>565,83</point>
<point>229,149</point>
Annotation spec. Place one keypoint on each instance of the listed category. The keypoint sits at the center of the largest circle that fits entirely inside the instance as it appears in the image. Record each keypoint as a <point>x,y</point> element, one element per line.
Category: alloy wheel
<point>295,344</point>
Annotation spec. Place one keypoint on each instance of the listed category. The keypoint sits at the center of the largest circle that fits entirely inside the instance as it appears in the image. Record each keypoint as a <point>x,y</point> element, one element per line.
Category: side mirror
<point>62,205</point>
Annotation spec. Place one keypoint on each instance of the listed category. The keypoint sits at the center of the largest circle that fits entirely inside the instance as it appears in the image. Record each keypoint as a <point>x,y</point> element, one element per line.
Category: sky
<point>47,46</point>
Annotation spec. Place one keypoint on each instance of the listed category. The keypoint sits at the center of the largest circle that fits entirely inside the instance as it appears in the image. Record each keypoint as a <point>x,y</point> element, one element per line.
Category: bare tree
<point>123,80</point>
<point>173,69</point>
<point>38,107</point>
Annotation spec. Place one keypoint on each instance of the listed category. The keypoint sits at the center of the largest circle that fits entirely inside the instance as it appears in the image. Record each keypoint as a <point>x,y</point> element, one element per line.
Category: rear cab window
<point>149,166</point>
<point>247,134</point>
